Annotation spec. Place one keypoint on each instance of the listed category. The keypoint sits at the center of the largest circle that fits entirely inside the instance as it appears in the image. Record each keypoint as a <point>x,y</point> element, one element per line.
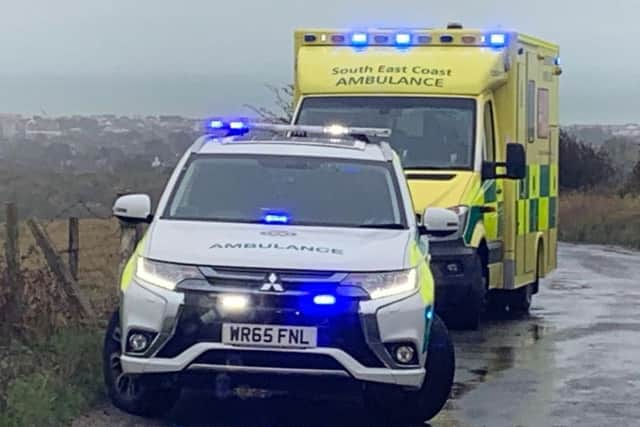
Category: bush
<point>598,218</point>
<point>54,381</point>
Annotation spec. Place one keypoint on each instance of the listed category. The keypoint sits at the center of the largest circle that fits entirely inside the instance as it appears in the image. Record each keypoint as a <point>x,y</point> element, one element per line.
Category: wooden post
<point>74,246</point>
<point>60,271</point>
<point>13,309</point>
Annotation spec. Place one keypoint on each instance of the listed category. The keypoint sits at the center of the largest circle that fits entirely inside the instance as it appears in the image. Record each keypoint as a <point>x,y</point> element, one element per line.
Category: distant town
<point>90,142</point>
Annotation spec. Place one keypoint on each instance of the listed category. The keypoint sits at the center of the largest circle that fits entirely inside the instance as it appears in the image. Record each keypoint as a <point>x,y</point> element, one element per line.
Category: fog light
<point>234,302</point>
<point>138,342</point>
<point>404,354</point>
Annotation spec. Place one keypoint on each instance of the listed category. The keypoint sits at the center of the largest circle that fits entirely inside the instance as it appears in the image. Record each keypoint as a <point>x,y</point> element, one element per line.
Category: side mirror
<point>440,221</point>
<point>516,161</point>
<point>133,208</point>
<point>516,164</point>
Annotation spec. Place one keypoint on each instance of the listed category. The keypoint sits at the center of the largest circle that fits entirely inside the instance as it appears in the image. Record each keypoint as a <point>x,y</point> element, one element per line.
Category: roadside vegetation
<point>601,219</point>
<point>49,381</point>
<point>50,361</point>
<point>600,192</point>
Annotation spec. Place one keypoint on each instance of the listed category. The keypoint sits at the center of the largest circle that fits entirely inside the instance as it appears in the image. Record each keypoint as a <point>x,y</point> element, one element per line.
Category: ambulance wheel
<point>135,394</point>
<point>520,299</point>
<point>416,407</point>
<point>467,316</point>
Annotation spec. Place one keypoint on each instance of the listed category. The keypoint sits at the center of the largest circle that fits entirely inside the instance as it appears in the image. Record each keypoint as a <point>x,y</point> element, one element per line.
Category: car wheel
<point>399,405</point>
<point>135,394</point>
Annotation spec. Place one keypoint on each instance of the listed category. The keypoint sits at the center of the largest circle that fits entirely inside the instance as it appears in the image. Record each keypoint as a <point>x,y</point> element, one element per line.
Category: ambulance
<point>474,119</point>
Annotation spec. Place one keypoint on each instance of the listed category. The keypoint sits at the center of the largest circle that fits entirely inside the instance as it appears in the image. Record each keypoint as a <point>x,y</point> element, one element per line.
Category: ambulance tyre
<point>467,316</point>
<point>520,299</point>
<point>133,394</point>
<point>416,407</point>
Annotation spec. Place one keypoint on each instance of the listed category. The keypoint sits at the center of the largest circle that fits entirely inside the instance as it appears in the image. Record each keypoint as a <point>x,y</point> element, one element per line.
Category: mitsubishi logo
<point>272,284</point>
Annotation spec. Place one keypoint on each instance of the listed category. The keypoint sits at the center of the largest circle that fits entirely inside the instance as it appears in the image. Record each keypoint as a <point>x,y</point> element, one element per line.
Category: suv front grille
<point>268,359</point>
<point>338,327</point>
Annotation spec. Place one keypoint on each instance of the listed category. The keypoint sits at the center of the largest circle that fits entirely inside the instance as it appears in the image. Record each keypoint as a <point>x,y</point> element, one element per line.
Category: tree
<point>633,181</point>
<point>623,152</point>
<point>582,167</point>
<point>282,111</point>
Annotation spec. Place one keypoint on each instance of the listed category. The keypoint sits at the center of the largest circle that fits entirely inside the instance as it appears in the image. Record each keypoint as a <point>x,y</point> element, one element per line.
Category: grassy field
<point>601,219</point>
<point>53,371</point>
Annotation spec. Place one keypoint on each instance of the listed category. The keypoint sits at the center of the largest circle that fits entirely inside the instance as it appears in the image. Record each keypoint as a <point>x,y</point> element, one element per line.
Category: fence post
<point>74,246</point>
<point>59,269</point>
<point>13,309</point>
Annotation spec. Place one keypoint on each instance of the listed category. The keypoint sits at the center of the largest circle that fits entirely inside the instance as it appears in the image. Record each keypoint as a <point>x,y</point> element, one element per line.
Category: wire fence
<point>59,271</point>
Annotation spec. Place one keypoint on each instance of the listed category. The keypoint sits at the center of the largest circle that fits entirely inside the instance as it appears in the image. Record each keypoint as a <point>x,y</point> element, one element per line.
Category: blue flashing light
<point>276,218</point>
<point>216,124</point>
<point>234,127</point>
<point>403,39</point>
<point>324,300</point>
<point>359,39</point>
<point>429,314</point>
<point>237,125</point>
<point>498,39</point>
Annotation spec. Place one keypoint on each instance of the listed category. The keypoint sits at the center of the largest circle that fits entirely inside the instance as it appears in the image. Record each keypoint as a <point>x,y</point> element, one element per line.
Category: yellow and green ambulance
<point>474,119</point>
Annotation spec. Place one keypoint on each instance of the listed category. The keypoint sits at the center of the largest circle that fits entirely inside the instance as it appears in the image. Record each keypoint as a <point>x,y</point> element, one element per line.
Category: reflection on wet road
<point>572,361</point>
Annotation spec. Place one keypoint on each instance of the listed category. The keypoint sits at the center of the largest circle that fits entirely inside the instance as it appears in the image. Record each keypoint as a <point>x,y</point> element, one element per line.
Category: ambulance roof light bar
<point>406,38</point>
<point>242,126</point>
<point>331,131</point>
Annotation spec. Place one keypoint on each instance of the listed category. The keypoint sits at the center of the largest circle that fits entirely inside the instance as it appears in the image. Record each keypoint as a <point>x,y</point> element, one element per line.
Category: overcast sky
<point>199,56</point>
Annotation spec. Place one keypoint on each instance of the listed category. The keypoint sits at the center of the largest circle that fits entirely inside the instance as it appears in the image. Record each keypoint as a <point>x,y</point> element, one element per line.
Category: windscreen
<point>288,189</point>
<point>428,133</point>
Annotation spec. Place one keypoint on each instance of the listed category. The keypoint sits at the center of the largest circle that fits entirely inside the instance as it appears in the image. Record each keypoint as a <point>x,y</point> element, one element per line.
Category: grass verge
<point>601,219</point>
<point>52,381</point>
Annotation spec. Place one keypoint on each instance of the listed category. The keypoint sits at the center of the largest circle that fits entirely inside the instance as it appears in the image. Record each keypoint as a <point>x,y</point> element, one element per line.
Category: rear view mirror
<point>516,161</point>
<point>516,164</point>
<point>440,221</point>
<point>133,208</point>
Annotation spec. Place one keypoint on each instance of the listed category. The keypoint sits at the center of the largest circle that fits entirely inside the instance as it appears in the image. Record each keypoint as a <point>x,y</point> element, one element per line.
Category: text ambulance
<point>474,119</point>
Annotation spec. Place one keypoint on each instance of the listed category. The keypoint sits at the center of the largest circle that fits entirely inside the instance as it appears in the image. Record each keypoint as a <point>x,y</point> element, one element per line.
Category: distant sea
<point>610,101</point>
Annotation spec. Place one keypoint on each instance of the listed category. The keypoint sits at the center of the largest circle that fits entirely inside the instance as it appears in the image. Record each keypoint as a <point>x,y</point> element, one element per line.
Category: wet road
<point>572,361</point>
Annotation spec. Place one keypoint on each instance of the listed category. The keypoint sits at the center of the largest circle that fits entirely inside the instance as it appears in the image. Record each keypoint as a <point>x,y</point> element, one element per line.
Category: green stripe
<point>533,215</point>
<point>553,201</point>
<point>475,215</point>
<point>490,194</point>
<point>545,181</point>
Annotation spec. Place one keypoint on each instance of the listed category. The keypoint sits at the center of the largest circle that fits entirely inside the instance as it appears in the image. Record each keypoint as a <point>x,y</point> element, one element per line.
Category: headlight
<point>380,285</point>
<point>164,274</point>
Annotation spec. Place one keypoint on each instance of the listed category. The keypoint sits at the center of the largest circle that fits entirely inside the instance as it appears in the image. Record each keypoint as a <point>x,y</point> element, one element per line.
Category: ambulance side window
<point>489,134</point>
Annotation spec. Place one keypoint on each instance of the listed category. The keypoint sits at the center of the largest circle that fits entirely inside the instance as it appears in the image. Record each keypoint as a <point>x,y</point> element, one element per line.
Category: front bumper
<point>456,272</point>
<point>353,340</point>
<point>346,366</point>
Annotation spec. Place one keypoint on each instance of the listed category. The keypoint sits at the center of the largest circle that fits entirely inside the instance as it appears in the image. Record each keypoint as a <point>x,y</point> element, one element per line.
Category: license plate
<point>269,335</point>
